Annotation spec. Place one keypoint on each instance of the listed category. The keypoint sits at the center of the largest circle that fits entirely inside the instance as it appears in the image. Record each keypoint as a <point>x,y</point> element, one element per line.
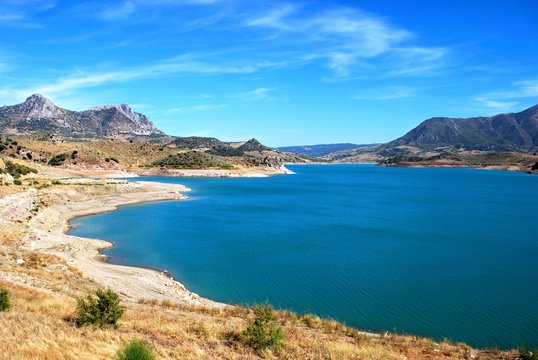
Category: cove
<point>442,253</point>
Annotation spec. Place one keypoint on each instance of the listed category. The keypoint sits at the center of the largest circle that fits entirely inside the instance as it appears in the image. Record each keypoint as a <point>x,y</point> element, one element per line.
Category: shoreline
<point>48,232</point>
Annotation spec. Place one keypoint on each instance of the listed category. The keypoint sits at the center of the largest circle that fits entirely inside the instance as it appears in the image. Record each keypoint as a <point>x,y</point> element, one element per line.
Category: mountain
<point>39,114</point>
<point>503,132</point>
<point>253,145</point>
<point>319,150</point>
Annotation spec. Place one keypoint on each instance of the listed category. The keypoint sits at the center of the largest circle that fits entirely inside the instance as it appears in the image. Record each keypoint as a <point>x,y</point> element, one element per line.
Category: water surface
<point>444,253</point>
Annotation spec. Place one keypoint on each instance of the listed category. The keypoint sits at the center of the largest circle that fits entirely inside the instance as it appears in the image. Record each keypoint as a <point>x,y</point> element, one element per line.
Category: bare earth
<point>46,232</point>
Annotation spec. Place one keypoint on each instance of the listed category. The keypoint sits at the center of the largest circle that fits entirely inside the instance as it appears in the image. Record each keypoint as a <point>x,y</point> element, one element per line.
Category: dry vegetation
<point>41,325</point>
<point>43,289</point>
<point>94,152</point>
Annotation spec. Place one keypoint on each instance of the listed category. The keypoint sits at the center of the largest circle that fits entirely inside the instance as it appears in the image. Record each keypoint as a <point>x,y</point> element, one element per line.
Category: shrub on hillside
<point>136,350</point>
<point>57,160</point>
<point>525,354</point>
<point>5,304</point>
<point>192,160</point>
<point>264,331</point>
<point>16,170</point>
<point>102,310</point>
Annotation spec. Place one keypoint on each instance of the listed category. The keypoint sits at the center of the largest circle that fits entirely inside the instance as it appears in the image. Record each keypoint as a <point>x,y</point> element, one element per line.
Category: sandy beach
<point>47,232</point>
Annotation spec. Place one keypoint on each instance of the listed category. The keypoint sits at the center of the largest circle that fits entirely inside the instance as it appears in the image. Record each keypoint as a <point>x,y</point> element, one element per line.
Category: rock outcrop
<point>39,114</point>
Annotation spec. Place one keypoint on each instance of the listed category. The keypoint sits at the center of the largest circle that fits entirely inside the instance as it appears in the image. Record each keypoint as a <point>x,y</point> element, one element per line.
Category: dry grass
<point>40,326</point>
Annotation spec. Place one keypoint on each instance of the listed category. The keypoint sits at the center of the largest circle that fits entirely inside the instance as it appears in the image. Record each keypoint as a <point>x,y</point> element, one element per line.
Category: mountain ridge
<point>39,114</point>
<point>319,150</point>
<point>501,132</point>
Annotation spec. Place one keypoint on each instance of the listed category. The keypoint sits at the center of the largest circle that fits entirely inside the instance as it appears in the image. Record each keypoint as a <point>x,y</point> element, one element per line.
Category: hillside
<point>504,141</point>
<point>320,149</point>
<point>40,115</point>
<point>143,157</point>
<point>503,132</point>
<point>96,139</point>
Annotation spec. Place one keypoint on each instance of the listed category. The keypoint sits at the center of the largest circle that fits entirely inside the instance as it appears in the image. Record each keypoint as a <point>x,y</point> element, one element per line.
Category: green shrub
<point>136,350</point>
<point>5,304</point>
<point>29,156</point>
<point>17,182</point>
<point>109,159</point>
<point>525,354</point>
<point>103,310</point>
<point>17,170</point>
<point>57,160</point>
<point>264,331</point>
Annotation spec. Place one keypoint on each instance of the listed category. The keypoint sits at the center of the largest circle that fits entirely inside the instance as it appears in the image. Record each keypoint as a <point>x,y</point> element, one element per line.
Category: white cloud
<point>122,11</point>
<point>258,94</point>
<point>510,100</point>
<point>82,79</point>
<point>131,7</point>
<point>388,93</point>
<point>276,18</point>
<point>193,108</point>
<point>349,39</point>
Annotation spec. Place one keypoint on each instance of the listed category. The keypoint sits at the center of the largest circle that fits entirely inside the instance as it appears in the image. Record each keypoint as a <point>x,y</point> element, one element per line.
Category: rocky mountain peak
<point>39,114</point>
<point>38,106</point>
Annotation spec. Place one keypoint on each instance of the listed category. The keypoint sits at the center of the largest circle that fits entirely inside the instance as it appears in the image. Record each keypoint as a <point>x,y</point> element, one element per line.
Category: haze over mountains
<point>319,150</point>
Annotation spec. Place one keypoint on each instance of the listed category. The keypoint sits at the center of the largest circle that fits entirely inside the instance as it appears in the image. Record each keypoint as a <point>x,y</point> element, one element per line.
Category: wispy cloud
<point>349,39</point>
<point>388,93</point>
<point>186,64</point>
<point>120,12</point>
<point>511,99</point>
<point>193,108</point>
<point>259,94</point>
<point>128,8</point>
<point>19,14</point>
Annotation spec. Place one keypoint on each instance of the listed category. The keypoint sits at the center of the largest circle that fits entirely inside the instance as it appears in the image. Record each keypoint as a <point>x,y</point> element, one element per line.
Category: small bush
<point>29,156</point>
<point>103,310</point>
<point>17,182</point>
<point>264,332</point>
<point>57,160</point>
<point>5,304</point>
<point>136,350</point>
<point>525,354</point>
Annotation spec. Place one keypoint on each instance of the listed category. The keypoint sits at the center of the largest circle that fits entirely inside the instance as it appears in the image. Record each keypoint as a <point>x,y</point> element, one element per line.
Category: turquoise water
<point>443,253</point>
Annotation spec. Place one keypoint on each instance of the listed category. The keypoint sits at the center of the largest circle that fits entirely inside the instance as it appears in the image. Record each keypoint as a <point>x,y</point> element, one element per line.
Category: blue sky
<point>285,72</point>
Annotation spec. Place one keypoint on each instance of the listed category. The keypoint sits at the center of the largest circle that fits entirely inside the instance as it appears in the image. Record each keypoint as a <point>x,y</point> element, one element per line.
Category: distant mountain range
<point>39,114</point>
<point>499,133</point>
<point>442,135</point>
<point>319,150</point>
